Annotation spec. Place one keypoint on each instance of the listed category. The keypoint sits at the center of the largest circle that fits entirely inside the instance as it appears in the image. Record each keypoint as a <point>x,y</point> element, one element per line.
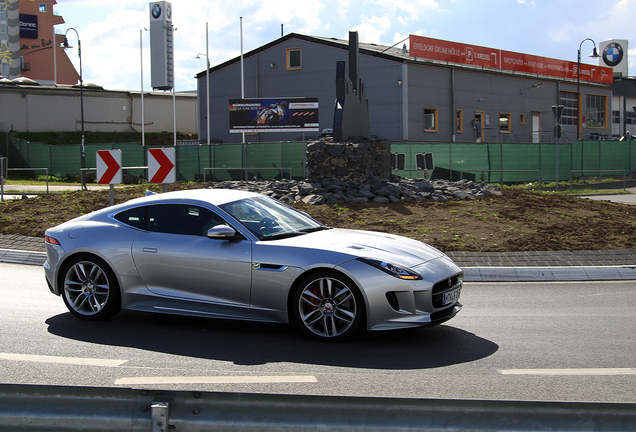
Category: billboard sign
<point>614,53</point>
<point>28,26</point>
<point>435,49</point>
<point>274,115</point>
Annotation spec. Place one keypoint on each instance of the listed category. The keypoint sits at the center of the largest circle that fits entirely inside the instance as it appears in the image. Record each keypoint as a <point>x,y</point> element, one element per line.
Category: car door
<point>175,258</point>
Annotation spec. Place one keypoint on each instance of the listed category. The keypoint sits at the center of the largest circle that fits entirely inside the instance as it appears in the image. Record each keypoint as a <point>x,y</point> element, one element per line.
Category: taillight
<point>51,240</point>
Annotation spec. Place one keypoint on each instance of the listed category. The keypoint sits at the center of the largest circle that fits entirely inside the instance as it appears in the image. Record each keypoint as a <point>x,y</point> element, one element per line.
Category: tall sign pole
<point>558,131</point>
<point>162,52</point>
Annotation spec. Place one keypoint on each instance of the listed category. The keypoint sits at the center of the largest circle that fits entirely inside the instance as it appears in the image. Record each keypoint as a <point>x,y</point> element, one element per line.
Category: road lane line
<point>217,380</point>
<point>61,360</point>
<point>589,371</point>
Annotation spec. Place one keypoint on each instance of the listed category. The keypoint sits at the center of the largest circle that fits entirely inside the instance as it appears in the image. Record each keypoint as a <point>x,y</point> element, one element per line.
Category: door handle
<point>150,250</point>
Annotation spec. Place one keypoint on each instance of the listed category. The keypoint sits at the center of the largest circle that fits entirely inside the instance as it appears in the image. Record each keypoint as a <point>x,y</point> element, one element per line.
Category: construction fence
<point>490,162</point>
<point>216,162</point>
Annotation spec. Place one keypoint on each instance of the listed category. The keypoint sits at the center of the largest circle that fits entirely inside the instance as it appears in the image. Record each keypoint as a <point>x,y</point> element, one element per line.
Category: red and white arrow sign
<point>108,166</point>
<point>161,168</point>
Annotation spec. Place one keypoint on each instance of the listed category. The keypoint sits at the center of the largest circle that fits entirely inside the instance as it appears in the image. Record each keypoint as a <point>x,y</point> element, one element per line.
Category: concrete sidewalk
<point>15,191</point>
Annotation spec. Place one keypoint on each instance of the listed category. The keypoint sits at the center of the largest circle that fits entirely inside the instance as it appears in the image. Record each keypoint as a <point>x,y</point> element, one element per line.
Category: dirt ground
<point>515,221</point>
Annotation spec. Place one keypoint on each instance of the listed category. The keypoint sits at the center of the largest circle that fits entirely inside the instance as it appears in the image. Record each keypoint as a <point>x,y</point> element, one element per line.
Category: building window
<point>42,7</point>
<point>504,122</point>
<point>460,121</point>
<point>630,118</point>
<point>294,58</point>
<point>522,119</point>
<point>596,111</point>
<point>570,104</point>
<point>430,119</point>
<point>616,117</point>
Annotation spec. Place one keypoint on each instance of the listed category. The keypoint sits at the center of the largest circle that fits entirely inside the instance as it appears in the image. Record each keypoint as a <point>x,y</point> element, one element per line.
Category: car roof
<point>212,196</point>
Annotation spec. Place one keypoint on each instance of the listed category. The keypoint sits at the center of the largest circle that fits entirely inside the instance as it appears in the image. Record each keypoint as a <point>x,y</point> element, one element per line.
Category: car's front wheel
<point>90,289</point>
<point>328,306</point>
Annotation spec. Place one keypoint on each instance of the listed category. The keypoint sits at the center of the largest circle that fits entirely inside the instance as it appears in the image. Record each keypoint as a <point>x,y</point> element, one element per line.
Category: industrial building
<point>429,90</point>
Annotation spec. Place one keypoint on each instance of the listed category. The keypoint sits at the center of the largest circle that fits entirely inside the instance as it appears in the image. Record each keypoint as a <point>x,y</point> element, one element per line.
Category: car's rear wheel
<point>90,289</point>
<point>328,306</point>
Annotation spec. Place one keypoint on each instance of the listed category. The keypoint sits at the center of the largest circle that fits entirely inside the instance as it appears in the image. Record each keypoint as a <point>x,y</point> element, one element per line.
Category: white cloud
<point>110,30</point>
<point>372,29</point>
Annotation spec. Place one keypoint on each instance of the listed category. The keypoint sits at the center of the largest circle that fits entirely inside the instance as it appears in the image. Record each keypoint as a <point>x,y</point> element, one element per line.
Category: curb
<point>549,274</point>
<point>471,274</point>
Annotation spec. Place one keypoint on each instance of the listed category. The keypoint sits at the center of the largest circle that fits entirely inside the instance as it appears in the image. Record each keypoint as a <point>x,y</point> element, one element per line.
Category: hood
<point>367,244</point>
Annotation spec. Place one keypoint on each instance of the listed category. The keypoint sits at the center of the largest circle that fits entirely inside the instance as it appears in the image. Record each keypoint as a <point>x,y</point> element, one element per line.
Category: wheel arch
<point>63,265</point>
<point>336,271</point>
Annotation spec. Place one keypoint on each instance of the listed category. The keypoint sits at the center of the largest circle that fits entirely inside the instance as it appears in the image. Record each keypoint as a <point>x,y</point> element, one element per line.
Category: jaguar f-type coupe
<point>240,255</point>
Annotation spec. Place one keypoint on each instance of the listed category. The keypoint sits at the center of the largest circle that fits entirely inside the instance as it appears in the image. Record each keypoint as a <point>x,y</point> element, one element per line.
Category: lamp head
<point>594,53</point>
<point>65,44</point>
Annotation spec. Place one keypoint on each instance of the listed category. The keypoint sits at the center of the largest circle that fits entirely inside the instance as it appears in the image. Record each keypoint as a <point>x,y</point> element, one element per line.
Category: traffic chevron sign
<point>161,165</point>
<point>108,166</point>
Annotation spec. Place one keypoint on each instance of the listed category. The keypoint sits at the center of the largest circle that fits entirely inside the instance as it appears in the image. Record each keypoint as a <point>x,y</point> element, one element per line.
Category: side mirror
<point>221,232</point>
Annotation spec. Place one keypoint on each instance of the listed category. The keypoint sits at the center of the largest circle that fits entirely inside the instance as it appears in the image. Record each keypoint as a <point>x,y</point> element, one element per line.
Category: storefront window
<point>570,108</point>
<point>596,111</point>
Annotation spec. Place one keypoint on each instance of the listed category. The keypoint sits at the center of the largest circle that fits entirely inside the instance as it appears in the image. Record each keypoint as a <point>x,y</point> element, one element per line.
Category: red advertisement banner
<point>436,49</point>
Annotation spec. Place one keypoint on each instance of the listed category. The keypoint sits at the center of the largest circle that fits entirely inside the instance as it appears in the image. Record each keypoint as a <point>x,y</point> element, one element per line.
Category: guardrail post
<point>159,416</point>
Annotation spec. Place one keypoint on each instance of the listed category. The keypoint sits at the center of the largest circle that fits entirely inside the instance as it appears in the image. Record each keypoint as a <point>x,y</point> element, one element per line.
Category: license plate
<point>452,296</point>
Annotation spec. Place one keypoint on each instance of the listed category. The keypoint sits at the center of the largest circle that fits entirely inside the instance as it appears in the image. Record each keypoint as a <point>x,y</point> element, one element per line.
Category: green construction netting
<point>492,162</point>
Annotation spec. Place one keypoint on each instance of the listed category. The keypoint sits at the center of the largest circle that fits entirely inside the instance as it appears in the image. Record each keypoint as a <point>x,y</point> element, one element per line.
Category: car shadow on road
<point>250,343</point>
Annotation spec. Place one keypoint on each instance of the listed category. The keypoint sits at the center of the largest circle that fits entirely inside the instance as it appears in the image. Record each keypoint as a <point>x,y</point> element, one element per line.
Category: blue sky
<point>110,31</point>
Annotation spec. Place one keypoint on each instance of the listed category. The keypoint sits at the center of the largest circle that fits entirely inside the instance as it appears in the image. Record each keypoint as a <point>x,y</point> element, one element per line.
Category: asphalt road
<point>522,341</point>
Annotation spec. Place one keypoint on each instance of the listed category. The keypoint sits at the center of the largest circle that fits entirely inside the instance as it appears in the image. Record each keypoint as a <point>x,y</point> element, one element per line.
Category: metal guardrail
<point>599,171</point>
<point>46,408</point>
<point>245,170</point>
<point>461,173</point>
<point>4,172</point>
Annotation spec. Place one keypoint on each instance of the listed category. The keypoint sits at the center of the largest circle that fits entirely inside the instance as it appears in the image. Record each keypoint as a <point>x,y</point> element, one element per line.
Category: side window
<point>504,122</point>
<point>294,58</point>
<point>430,119</point>
<point>181,219</point>
<point>135,217</point>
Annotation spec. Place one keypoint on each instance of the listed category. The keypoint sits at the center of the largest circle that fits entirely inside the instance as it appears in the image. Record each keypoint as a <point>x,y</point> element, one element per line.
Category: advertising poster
<point>28,26</point>
<point>274,115</point>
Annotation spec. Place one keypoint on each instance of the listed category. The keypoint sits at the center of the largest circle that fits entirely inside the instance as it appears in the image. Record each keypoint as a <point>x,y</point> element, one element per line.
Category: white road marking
<point>589,372</point>
<point>217,380</point>
<point>62,360</point>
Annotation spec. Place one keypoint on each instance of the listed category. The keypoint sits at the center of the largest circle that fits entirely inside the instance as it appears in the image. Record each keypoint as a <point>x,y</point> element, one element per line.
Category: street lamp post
<point>79,53</point>
<point>578,84</point>
<point>207,79</point>
<point>207,87</point>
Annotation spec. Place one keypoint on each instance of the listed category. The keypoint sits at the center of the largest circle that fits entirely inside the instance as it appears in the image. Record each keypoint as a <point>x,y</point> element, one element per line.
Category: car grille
<point>443,286</point>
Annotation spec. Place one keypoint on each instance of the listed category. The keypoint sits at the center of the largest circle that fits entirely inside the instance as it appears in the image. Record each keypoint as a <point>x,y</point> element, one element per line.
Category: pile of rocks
<point>331,191</point>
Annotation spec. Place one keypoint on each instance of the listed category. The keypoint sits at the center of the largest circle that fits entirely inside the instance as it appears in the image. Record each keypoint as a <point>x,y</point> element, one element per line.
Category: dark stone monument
<point>351,113</point>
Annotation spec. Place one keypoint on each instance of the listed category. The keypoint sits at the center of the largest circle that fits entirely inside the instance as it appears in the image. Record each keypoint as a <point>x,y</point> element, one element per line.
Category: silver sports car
<point>240,255</point>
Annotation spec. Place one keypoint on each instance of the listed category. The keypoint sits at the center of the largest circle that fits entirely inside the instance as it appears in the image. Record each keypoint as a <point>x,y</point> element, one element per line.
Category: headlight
<point>393,270</point>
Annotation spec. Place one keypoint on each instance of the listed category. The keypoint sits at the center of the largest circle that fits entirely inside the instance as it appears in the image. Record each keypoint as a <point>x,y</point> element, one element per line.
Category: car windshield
<point>269,219</point>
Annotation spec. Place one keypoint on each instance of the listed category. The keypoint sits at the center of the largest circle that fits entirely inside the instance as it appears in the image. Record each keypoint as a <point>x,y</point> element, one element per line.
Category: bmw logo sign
<point>613,54</point>
<point>156,10</point>
<point>169,11</point>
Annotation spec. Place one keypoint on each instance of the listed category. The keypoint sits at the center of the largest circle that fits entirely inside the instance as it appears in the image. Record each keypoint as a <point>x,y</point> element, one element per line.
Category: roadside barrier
<point>47,408</point>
